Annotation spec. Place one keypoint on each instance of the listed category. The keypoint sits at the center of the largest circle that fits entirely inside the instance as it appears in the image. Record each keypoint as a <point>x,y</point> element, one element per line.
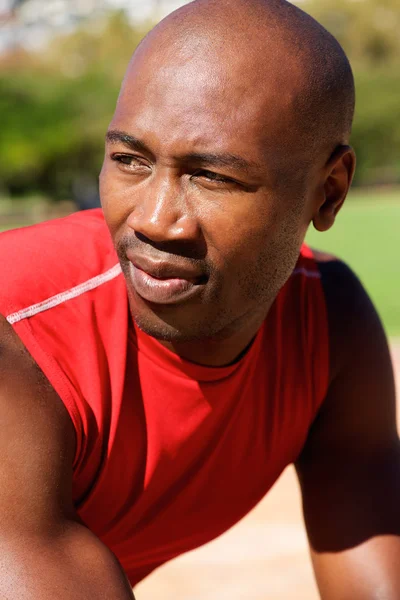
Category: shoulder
<point>352,317</point>
<point>78,238</point>
<point>31,410</point>
<point>338,279</point>
<point>343,291</point>
<point>53,257</point>
<point>66,299</point>
<point>359,409</point>
<point>358,412</point>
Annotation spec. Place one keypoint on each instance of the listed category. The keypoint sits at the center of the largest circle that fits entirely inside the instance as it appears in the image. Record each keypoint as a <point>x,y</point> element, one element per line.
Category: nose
<point>162,212</point>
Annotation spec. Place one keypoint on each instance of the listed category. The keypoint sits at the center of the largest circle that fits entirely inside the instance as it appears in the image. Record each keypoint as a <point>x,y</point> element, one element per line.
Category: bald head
<point>228,139</point>
<point>266,50</point>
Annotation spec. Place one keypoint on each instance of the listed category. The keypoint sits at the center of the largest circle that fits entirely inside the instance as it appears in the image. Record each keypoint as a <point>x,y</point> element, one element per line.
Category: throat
<point>221,350</point>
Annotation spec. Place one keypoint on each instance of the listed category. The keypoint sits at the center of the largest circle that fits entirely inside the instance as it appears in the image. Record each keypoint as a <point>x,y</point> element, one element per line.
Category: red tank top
<point>169,454</point>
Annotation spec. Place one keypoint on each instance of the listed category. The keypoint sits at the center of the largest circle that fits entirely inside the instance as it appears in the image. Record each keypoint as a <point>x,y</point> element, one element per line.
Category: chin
<point>159,329</point>
<point>180,324</point>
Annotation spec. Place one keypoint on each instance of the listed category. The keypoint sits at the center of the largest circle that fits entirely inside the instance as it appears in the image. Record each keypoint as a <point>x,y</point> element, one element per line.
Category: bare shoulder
<point>46,551</point>
<point>359,410</point>
<point>37,442</point>
<point>21,376</point>
<point>352,318</point>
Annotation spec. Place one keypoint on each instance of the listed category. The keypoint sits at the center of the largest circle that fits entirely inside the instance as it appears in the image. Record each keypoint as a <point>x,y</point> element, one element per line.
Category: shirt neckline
<point>168,360</point>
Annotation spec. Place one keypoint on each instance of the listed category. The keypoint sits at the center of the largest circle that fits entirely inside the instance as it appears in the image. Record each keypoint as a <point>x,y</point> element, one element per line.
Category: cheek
<point>106,194</point>
<point>238,232</point>
<point>260,251</point>
<point>113,200</point>
<point>277,257</point>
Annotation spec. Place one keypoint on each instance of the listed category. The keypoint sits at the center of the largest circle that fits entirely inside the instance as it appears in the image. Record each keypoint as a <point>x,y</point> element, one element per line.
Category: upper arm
<point>37,442</point>
<point>45,551</point>
<point>349,470</point>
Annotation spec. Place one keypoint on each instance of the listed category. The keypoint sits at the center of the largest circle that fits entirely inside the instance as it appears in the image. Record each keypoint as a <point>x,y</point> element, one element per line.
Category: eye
<point>130,163</point>
<point>214,177</point>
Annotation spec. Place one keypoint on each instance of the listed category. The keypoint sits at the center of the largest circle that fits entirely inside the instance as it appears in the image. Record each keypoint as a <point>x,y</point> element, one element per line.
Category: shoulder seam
<point>57,299</point>
<point>306,272</point>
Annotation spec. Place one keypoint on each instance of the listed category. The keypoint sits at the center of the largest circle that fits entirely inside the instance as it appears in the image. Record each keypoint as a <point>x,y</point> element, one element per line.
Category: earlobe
<point>338,176</point>
<point>325,217</point>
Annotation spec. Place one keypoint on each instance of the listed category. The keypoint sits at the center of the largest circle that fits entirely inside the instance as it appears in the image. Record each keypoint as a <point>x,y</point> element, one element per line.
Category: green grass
<point>366,235</point>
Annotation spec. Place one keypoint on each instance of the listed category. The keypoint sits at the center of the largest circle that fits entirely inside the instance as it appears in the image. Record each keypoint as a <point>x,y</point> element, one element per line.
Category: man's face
<point>202,195</point>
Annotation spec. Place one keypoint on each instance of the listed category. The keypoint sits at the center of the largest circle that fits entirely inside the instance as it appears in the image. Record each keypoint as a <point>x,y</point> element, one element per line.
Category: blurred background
<point>61,65</point>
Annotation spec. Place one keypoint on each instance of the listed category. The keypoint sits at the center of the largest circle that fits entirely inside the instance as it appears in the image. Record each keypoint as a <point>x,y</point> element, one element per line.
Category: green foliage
<point>376,131</point>
<point>369,32</point>
<point>56,105</point>
<point>367,29</point>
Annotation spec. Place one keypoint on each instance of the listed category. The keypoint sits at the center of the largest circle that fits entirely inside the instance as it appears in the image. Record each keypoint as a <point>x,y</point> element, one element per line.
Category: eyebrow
<point>203,158</point>
<point>221,160</point>
<point>120,137</point>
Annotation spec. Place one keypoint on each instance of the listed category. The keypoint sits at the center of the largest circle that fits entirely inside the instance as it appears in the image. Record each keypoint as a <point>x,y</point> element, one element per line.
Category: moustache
<point>176,253</point>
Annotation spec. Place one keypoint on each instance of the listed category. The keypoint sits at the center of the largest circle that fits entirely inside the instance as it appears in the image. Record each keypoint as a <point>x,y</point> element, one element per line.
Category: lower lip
<point>162,291</point>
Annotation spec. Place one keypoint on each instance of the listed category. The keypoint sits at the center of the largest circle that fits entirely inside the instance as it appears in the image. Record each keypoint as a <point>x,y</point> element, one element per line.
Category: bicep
<point>349,470</point>
<point>37,442</point>
<point>45,551</point>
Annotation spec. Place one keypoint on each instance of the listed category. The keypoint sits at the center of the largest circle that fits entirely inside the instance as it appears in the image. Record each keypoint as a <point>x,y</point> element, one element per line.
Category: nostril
<point>194,249</point>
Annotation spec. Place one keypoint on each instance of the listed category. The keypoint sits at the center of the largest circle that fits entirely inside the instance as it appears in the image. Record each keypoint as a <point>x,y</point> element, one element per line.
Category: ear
<point>338,175</point>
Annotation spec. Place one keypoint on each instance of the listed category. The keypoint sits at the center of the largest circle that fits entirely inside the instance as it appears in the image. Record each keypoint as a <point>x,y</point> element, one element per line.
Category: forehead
<point>200,102</point>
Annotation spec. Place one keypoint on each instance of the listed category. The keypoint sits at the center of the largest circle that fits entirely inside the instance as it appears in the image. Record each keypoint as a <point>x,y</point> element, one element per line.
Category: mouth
<point>162,282</point>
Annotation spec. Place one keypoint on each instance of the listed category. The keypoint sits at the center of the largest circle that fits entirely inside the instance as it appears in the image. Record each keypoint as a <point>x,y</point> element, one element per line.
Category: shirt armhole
<point>55,376</point>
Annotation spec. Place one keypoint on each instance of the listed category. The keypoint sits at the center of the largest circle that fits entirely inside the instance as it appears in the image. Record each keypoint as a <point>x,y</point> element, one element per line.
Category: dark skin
<point>165,198</point>
<point>46,552</point>
<point>175,187</point>
<point>350,467</point>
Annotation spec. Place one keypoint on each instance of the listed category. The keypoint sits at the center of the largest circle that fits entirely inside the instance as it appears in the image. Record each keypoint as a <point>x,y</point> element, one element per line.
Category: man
<point>145,412</point>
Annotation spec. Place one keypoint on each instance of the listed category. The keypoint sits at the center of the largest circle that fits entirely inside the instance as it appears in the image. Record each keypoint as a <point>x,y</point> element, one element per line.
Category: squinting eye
<point>129,162</point>
<point>211,176</point>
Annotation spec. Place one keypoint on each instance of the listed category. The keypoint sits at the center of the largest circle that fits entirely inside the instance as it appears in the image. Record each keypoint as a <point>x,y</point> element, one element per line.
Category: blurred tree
<point>58,105</point>
<point>55,105</point>
<point>369,31</point>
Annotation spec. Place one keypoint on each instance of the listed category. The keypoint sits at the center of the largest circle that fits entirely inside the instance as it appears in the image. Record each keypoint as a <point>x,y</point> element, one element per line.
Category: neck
<point>224,348</point>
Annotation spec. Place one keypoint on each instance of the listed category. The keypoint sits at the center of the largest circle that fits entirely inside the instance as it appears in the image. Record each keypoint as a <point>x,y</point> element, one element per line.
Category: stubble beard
<point>257,295</point>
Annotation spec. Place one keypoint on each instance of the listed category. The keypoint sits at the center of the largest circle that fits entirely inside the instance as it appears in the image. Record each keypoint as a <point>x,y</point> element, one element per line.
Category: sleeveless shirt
<point>169,454</point>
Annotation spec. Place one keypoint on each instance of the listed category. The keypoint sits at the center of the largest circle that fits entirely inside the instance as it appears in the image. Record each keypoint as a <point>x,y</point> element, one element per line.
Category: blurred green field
<point>366,235</point>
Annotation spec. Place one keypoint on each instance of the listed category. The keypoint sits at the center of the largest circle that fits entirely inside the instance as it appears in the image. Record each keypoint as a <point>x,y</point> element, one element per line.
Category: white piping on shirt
<point>74,292</point>
<point>91,284</point>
